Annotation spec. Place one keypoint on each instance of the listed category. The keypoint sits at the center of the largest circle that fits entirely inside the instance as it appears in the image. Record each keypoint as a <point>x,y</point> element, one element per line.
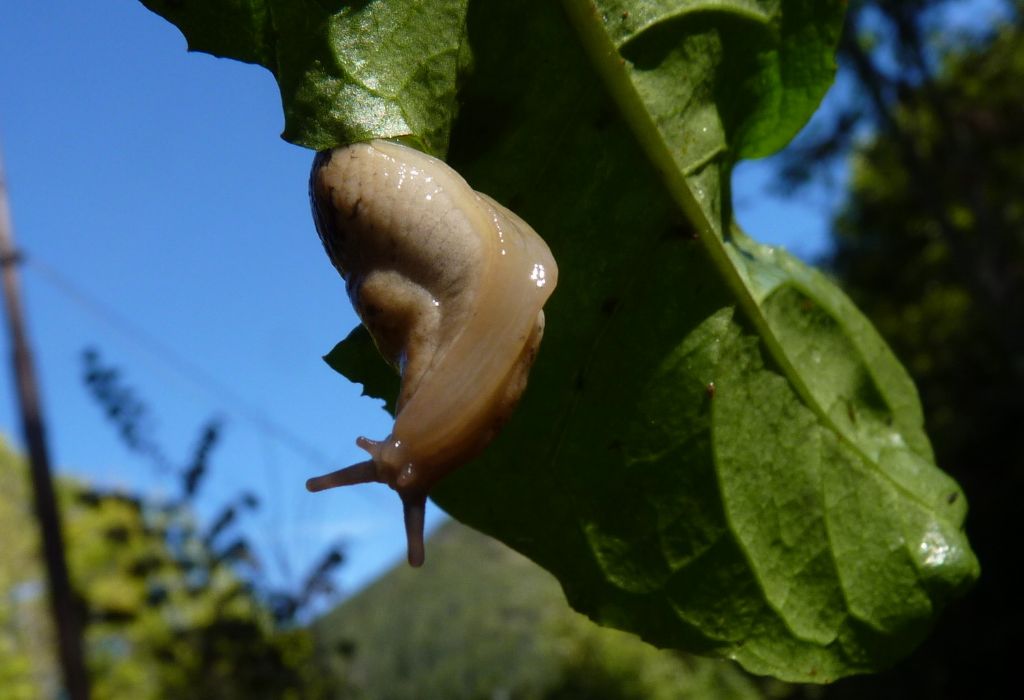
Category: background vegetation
<point>930,243</point>
<point>173,608</point>
<point>483,621</point>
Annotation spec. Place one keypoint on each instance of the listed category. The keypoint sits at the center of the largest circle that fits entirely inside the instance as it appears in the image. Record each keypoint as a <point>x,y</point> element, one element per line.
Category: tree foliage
<point>26,641</point>
<point>173,608</point>
<point>168,616</point>
<point>931,245</point>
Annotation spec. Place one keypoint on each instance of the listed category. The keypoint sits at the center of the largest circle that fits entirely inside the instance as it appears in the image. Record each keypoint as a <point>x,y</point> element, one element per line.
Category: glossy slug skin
<point>450,285</point>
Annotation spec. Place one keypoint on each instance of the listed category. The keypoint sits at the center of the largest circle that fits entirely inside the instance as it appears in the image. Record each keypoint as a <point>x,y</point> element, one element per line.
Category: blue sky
<point>154,182</point>
<point>159,210</point>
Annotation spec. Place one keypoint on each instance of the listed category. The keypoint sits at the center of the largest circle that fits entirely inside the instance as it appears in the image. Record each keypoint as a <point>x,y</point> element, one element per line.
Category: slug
<point>451,286</point>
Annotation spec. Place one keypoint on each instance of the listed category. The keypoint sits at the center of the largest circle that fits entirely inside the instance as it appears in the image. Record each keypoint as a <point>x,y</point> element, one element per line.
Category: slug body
<point>451,286</point>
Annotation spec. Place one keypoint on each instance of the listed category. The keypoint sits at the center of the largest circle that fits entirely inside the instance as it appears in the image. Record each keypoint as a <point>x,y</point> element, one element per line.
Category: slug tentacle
<point>361,473</point>
<point>414,510</point>
<point>450,285</point>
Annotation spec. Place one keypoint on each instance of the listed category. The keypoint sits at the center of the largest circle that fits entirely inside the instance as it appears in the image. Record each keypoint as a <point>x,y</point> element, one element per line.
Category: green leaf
<point>716,451</point>
<point>357,356</point>
<point>347,71</point>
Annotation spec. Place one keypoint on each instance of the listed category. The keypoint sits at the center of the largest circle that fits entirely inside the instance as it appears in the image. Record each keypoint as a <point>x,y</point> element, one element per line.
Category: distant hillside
<point>481,621</point>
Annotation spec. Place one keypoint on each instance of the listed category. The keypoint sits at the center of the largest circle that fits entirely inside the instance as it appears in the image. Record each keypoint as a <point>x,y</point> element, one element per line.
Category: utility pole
<point>65,613</point>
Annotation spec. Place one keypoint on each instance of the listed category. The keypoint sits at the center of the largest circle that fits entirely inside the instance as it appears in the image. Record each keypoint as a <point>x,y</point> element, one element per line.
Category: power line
<point>265,425</point>
<point>188,370</point>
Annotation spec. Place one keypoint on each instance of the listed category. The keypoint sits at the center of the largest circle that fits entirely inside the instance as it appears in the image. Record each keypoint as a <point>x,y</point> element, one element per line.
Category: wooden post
<point>65,613</point>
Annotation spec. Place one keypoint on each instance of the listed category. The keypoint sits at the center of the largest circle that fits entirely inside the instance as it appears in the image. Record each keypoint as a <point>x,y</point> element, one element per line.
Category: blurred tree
<point>930,243</point>
<point>889,50</point>
<point>182,603</point>
<point>168,615</point>
<point>172,609</point>
<point>27,665</point>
